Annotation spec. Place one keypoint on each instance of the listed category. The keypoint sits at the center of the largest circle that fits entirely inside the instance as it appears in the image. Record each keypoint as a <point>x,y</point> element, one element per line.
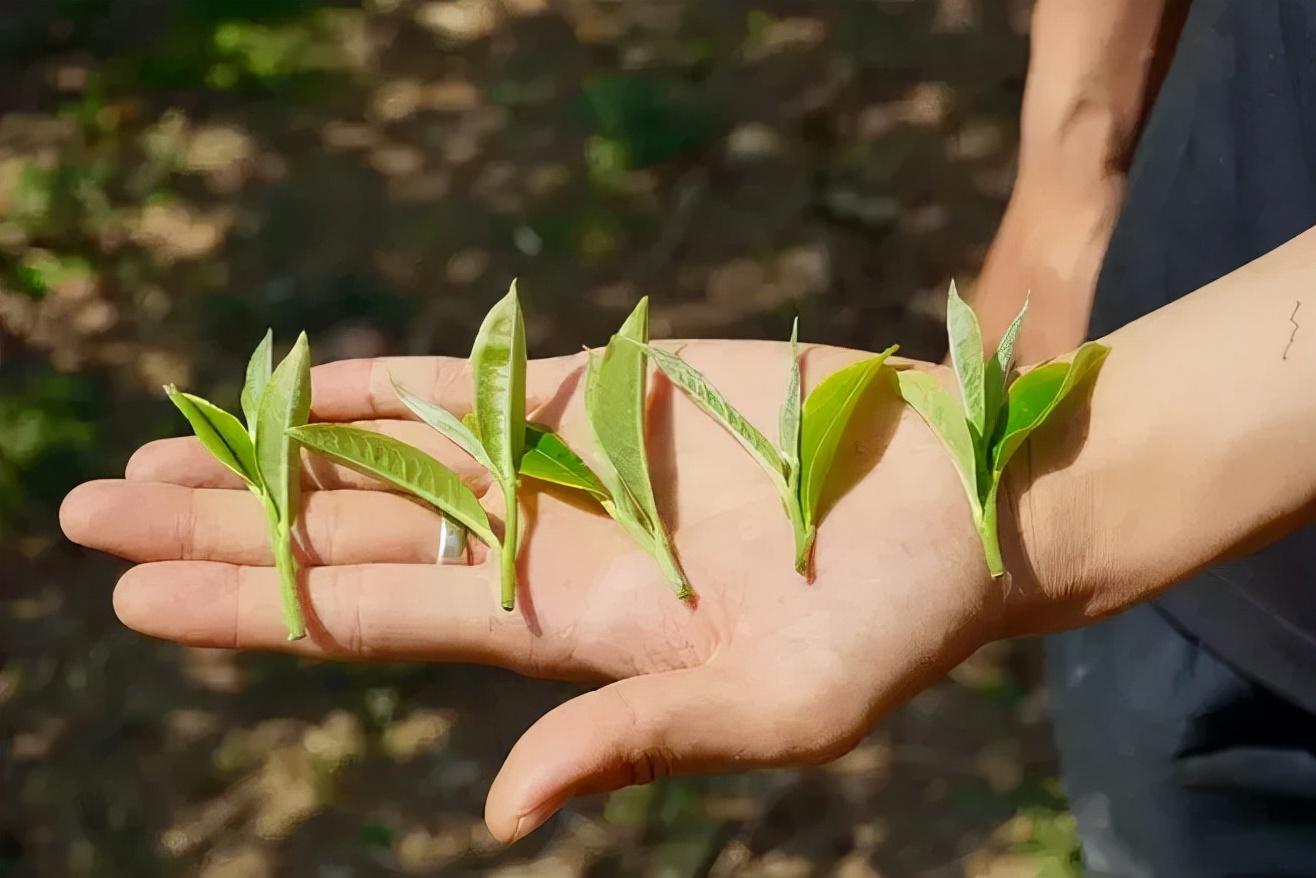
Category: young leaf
<point>998,373</point>
<point>826,413</point>
<point>1031,400</point>
<point>788,433</point>
<point>549,459</point>
<point>285,402</point>
<point>966,355</point>
<point>624,508</point>
<point>403,466</point>
<point>707,397</point>
<point>259,368</point>
<point>615,394</point>
<point>221,434</point>
<point>448,425</point>
<point>498,359</point>
<point>943,414</point>
<point>1035,395</point>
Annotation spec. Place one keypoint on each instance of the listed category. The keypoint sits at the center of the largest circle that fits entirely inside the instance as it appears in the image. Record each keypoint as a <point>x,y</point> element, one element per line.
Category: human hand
<point>761,669</point>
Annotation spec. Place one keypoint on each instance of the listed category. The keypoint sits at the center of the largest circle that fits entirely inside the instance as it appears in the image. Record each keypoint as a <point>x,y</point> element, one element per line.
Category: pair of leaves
<point>263,453</point>
<point>498,362</point>
<point>497,442</point>
<point>809,431</point>
<point>615,397</point>
<point>995,417</point>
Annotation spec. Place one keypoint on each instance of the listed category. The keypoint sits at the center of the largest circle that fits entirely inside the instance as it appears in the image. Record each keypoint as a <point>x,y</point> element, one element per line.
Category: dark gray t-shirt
<point>1224,173</point>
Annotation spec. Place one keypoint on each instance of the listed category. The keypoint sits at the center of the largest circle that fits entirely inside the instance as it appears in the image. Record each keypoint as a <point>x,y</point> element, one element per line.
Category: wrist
<point>1061,573</point>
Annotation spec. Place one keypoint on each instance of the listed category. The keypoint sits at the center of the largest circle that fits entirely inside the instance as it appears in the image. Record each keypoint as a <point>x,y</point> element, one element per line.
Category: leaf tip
<point>398,389</point>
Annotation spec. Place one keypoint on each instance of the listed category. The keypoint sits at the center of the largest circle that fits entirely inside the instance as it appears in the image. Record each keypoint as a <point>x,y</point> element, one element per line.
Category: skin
<point>1093,72</point>
<point>1165,465</point>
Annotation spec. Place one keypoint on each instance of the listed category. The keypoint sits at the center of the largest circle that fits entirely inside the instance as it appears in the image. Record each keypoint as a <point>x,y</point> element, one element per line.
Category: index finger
<point>354,390</point>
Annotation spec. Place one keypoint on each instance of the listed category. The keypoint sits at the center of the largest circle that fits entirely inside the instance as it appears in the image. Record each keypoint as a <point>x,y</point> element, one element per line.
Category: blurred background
<point>177,175</point>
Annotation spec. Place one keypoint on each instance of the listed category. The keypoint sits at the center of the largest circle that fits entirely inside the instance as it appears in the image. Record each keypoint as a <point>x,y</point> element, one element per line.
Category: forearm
<point>1092,73</point>
<point>1198,443</point>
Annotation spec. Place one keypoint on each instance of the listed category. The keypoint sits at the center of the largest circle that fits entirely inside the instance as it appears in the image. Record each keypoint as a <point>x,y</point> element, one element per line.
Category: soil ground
<point>176,176</point>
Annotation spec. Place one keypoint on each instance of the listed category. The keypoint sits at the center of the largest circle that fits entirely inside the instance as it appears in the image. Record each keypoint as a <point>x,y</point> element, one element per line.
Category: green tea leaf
<point>498,360</point>
<point>448,425</point>
<point>259,368</point>
<point>998,372</point>
<point>707,397</point>
<point>403,466</point>
<point>615,397</point>
<point>550,459</point>
<point>827,411</point>
<point>285,402</point>
<point>625,509</point>
<point>788,433</point>
<point>943,414</point>
<point>1035,395</point>
<point>221,433</point>
<point>966,355</point>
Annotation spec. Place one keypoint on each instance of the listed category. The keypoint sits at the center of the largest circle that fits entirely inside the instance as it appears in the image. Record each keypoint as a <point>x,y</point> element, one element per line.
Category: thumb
<point>631,732</point>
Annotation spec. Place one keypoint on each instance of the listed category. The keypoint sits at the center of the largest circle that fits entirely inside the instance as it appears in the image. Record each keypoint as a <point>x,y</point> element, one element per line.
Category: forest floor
<point>177,176</point>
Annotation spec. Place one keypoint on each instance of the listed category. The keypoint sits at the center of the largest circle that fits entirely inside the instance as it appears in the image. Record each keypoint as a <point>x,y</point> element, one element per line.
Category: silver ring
<point>452,542</point>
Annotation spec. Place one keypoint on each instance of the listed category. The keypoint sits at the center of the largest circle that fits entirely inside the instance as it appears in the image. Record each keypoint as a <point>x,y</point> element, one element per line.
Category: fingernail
<point>516,830</point>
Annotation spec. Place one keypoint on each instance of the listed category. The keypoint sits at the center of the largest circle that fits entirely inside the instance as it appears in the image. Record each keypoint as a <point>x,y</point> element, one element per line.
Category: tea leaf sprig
<point>263,453</point>
<point>809,431</point>
<point>496,439</point>
<point>615,396</point>
<point>984,430</point>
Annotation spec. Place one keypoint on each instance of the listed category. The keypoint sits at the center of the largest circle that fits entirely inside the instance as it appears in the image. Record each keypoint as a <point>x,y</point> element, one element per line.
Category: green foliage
<point>264,453</point>
<point>40,271</point>
<point>827,412</point>
<point>809,436</point>
<point>641,120</point>
<point>49,438</point>
<point>549,459</point>
<point>1052,842</point>
<point>993,418</point>
<point>496,435</point>
<point>615,395</point>
<point>403,466</point>
<point>498,360</point>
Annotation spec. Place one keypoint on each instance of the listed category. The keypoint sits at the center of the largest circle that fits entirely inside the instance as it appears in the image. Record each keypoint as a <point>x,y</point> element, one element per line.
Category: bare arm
<point>1198,445</point>
<point>1093,72</point>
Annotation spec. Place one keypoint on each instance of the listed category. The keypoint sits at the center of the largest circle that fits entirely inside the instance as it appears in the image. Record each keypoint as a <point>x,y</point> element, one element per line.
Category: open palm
<point>760,668</point>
